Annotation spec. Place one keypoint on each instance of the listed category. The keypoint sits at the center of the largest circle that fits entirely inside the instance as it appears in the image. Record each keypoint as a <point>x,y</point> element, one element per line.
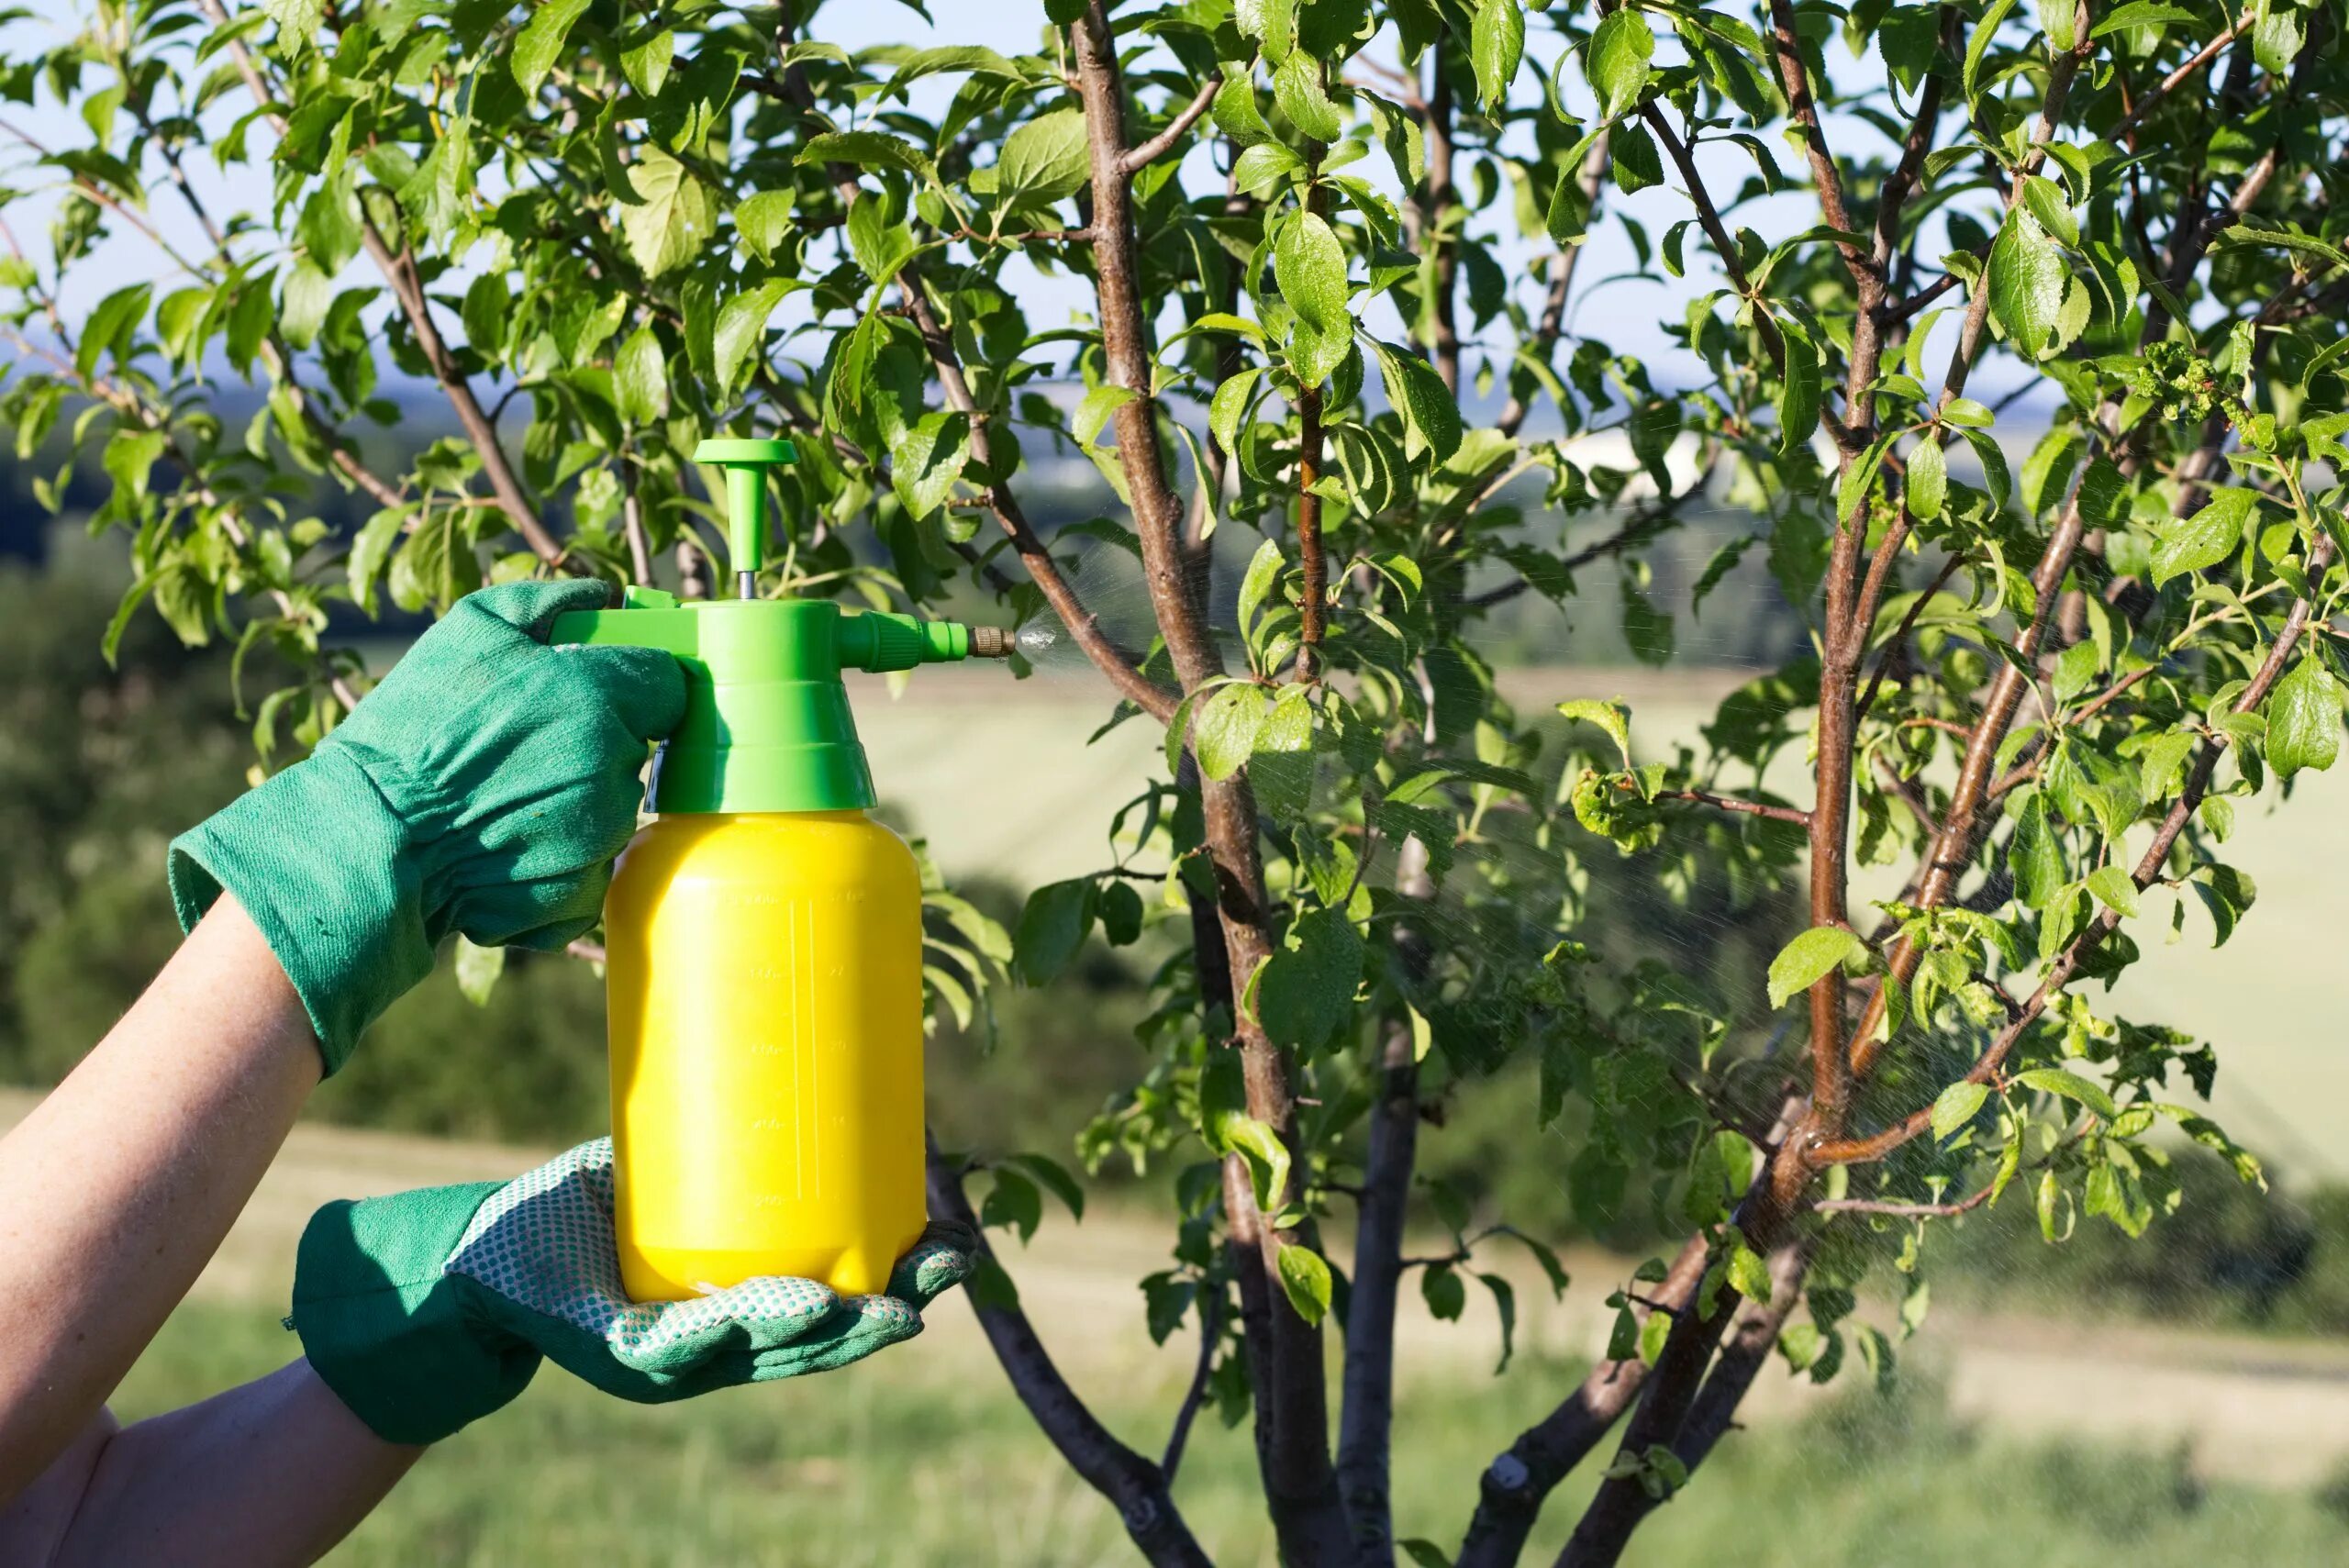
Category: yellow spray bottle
<point>763,938</point>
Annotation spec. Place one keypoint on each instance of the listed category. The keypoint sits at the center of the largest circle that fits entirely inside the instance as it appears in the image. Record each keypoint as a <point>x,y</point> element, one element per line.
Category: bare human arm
<point>114,1193</point>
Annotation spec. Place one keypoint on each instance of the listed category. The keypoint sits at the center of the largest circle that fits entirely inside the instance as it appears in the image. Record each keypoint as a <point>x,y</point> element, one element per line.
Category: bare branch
<point>1210,1336</point>
<point>1516,1485</point>
<point>1365,1434</point>
<point>1143,153</point>
<point>1136,1487</point>
<point>1708,217</point>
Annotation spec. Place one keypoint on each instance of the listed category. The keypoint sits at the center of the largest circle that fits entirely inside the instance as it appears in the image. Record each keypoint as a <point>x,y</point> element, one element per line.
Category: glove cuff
<point>343,912</point>
<point>396,1337</point>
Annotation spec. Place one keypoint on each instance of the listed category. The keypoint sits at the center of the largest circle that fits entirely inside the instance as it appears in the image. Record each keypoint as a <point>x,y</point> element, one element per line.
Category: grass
<point>925,1459</point>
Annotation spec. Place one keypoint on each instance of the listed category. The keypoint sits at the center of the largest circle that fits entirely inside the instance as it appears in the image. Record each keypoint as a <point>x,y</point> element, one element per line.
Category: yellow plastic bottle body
<point>765,981</point>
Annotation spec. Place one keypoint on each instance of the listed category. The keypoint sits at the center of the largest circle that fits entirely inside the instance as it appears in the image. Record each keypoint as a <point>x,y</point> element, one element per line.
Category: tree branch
<point>1143,153</point>
<point>1210,1336</point>
<point>1515,1486</point>
<point>1708,217</point>
<point>1365,1431</point>
<point>1292,1411</point>
<point>1136,1487</point>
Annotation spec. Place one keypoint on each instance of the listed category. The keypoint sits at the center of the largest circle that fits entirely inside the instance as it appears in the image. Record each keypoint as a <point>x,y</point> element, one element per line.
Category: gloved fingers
<point>752,1317</point>
<point>530,607</point>
<point>876,1323</point>
<point>942,1259</point>
<point>643,687</point>
<point>542,914</point>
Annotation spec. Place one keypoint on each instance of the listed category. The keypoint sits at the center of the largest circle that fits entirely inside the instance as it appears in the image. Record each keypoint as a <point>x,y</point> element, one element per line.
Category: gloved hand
<point>427,1310</point>
<point>484,787</point>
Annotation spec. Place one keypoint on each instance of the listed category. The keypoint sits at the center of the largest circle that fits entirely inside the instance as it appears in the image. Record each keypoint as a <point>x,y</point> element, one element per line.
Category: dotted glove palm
<point>484,787</point>
<point>427,1310</point>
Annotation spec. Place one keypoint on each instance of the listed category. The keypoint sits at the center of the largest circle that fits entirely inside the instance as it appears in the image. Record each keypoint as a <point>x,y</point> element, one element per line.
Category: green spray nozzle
<point>767,726</point>
<point>746,463</point>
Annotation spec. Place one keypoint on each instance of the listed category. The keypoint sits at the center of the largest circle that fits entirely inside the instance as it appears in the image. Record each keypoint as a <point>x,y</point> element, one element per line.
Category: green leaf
<point>1616,61</point>
<point>477,971</point>
<point>1305,1277</point>
<point>2304,718</point>
<point>1309,266</point>
<point>667,227</point>
<point>1424,1554</point>
<point>2034,857</point>
<point>2207,538</point>
<point>1809,958</point>
<point>1799,394</point>
<point>640,378</point>
<point>1121,913</point>
<point>1271,23</point>
<point>1052,926</point>
<point>1236,113</point>
<point>1496,46</point>
<point>1229,404</point>
<point>646,65</point>
<point>2141,14</point>
<point>1430,417</point>
<point>865,149</point>
<point>1748,1275</point>
<point>1264,571</point>
<point>1228,721</point>
<point>1307,988</point>
<point>763,222</point>
<point>1013,1203</point>
<point>1296,88</point>
<point>1983,31</point>
<point>330,229</point>
<point>110,326</point>
<point>1611,717</point>
<point>1260,169</point>
<point>2070,1085</point>
<point>541,41</point>
<point>1268,1158</point>
<point>2114,888</point>
<point>2028,276</point>
<point>739,336</point>
<point>1046,159</point>
<point>928,457</point>
<point>1928,479</point>
<point>2047,204</point>
<point>1440,1288</point>
<point>1094,410</point>
<point>1955,1106</point>
<point>1966,413</point>
<point>1049,1172</point>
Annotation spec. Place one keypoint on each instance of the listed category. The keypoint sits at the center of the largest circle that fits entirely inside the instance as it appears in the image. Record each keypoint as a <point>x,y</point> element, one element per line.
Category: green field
<point>923,1458</point>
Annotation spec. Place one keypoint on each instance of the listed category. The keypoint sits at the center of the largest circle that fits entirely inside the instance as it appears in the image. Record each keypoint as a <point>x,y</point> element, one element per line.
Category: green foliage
<point>653,228</point>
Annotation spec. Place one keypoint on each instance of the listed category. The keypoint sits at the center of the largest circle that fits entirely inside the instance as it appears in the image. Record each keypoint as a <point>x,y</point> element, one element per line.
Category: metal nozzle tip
<point>990,643</point>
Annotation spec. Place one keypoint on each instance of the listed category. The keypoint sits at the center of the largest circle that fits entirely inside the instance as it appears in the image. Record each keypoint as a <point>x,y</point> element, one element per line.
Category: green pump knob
<point>746,463</point>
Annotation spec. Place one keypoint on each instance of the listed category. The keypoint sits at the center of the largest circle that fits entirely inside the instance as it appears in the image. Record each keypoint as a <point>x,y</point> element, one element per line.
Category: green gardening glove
<point>427,1310</point>
<point>485,788</point>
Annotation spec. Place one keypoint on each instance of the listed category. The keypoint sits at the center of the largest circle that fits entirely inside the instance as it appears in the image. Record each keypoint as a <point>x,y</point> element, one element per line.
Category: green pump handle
<point>767,726</point>
<point>745,462</point>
